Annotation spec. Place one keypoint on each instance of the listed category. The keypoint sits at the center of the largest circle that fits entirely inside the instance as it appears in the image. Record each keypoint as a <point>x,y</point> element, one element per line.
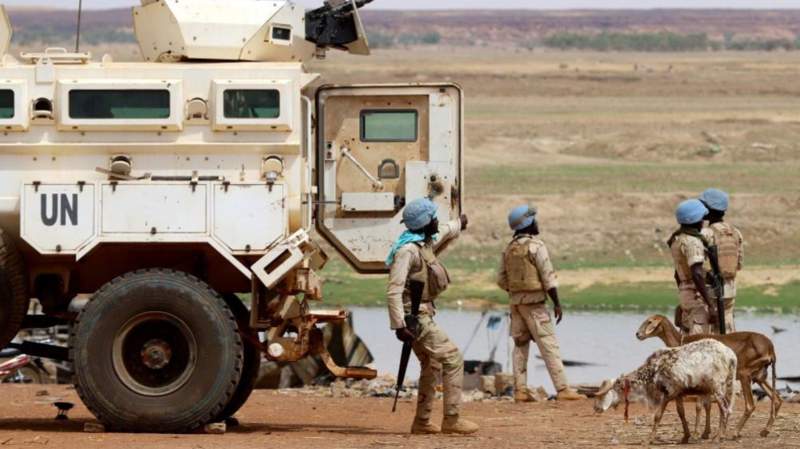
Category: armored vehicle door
<point>378,148</point>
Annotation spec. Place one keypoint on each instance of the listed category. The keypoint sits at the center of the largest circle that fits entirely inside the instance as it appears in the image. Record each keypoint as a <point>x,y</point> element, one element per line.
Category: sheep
<point>703,368</point>
<point>754,352</point>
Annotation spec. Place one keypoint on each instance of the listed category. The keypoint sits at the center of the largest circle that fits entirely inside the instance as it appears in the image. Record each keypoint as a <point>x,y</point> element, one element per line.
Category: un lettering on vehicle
<point>58,218</point>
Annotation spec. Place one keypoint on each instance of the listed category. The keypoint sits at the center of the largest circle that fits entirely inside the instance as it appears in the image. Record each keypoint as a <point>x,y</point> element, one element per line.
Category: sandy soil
<point>298,420</point>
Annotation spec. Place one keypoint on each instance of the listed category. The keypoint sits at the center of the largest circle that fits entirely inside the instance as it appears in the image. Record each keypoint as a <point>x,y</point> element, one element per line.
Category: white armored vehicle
<point>164,189</point>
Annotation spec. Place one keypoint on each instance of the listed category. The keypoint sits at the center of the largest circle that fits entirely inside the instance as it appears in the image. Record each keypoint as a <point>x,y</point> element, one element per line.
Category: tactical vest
<point>433,273</point>
<point>727,249</point>
<point>523,276</point>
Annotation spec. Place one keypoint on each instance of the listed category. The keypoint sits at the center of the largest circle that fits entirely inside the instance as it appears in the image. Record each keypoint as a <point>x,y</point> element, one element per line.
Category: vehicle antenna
<point>78,32</point>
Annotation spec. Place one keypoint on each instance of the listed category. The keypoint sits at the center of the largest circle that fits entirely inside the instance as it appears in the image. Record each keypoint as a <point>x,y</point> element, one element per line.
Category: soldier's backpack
<point>727,241</point>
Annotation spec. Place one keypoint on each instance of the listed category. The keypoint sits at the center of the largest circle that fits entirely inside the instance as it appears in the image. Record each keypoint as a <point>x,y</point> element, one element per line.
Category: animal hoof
<point>764,433</point>
<point>685,440</point>
<point>706,436</point>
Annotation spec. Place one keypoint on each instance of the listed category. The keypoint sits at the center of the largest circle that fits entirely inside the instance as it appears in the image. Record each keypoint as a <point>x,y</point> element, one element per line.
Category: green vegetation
<point>663,41</point>
<point>379,39</point>
<point>349,290</point>
<point>662,296</point>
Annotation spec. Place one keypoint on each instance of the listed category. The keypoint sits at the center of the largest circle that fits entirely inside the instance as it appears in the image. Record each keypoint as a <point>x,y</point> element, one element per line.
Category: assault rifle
<point>717,283</point>
<point>412,324</point>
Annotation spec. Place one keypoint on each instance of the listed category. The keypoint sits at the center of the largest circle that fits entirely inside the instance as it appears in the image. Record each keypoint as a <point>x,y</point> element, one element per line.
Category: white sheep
<point>704,368</point>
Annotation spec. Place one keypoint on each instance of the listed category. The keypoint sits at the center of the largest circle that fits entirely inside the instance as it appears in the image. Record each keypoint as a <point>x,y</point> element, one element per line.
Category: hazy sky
<point>483,4</point>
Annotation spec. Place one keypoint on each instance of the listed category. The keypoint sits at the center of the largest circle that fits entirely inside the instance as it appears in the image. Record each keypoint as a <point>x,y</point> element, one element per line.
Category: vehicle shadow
<point>42,424</point>
<point>71,426</point>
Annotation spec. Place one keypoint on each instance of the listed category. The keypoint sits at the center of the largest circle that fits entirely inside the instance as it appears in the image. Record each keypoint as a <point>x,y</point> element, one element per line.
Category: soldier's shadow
<point>77,426</point>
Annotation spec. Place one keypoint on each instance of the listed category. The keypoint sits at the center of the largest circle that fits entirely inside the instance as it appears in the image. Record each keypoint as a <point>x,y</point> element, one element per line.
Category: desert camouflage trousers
<point>532,322</point>
<point>437,354</point>
<point>730,326</point>
<point>695,312</point>
<point>697,317</point>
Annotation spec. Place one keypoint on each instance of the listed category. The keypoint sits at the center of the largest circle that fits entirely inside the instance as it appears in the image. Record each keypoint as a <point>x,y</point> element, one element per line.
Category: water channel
<point>605,341</point>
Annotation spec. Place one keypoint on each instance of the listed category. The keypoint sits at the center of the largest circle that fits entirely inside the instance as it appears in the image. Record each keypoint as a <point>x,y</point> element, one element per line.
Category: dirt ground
<point>296,419</point>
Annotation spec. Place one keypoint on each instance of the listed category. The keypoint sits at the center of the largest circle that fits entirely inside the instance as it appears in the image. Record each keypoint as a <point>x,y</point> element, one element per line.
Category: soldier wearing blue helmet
<point>412,258</point>
<point>730,248</point>
<point>689,254</point>
<point>527,274</point>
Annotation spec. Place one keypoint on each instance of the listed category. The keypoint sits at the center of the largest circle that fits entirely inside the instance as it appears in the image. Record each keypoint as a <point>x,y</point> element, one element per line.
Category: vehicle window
<point>119,104</point>
<point>389,126</point>
<point>252,103</point>
<point>6,103</point>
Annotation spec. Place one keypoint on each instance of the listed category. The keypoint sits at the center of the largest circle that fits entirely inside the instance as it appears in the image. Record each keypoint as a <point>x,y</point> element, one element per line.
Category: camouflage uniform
<point>730,262</point>
<point>434,349</point>
<point>530,319</point>
<point>689,250</point>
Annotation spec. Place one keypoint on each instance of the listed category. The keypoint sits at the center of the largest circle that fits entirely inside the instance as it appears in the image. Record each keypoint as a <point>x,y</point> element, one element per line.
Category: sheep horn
<point>605,387</point>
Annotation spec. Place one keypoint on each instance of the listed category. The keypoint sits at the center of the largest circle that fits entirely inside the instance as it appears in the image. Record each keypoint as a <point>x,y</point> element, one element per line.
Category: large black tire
<point>252,358</point>
<point>14,299</point>
<point>156,351</point>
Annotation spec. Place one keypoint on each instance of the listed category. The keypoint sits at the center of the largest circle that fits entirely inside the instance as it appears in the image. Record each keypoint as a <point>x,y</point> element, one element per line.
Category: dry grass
<point>607,144</point>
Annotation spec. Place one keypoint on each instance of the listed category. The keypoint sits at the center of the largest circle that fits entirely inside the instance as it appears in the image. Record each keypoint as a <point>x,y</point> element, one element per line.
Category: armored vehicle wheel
<point>14,298</point>
<point>156,351</point>
<point>252,358</point>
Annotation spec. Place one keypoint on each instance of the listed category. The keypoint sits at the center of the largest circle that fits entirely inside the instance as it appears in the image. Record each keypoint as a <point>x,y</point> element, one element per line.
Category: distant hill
<point>563,29</point>
<point>56,27</point>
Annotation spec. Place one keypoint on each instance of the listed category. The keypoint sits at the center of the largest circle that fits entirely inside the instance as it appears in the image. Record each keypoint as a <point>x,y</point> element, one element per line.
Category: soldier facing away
<point>729,243</point>
<point>412,258</point>
<point>527,274</point>
<point>689,254</point>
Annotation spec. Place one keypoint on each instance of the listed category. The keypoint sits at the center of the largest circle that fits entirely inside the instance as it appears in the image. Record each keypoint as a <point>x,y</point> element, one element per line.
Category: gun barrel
<point>718,286</point>
<point>417,289</point>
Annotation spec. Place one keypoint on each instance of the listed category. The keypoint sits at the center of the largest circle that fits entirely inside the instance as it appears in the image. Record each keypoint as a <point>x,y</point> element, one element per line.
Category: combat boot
<point>456,424</point>
<point>568,394</point>
<point>425,427</point>
<point>524,395</point>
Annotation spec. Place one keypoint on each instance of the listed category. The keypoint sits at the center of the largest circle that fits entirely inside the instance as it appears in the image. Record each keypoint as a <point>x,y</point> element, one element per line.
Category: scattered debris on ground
<point>300,418</point>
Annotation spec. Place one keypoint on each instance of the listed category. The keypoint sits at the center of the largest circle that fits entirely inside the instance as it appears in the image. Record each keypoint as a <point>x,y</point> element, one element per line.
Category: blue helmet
<point>715,199</point>
<point>419,213</point>
<point>690,212</point>
<point>521,217</point>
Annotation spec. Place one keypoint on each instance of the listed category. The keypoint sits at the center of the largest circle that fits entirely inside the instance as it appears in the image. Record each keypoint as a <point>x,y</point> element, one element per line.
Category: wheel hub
<point>154,353</point>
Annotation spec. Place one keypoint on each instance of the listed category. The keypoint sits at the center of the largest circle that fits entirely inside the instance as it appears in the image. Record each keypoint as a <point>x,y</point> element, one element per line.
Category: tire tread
<point>161,272</point>
<point>15,275</point>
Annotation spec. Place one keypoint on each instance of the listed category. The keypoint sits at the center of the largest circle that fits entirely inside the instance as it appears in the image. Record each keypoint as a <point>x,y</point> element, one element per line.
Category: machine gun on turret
<point>247,30</point>
<point>337,25</point>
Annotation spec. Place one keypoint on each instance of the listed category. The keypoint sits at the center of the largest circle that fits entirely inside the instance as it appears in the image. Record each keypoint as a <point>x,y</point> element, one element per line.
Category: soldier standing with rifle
<point>689,254</point>
<point>728,244</point>
<point>412,259</point>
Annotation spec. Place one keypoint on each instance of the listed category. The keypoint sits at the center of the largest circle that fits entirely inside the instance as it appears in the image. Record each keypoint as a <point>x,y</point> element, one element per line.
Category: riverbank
<point>762,289</point>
